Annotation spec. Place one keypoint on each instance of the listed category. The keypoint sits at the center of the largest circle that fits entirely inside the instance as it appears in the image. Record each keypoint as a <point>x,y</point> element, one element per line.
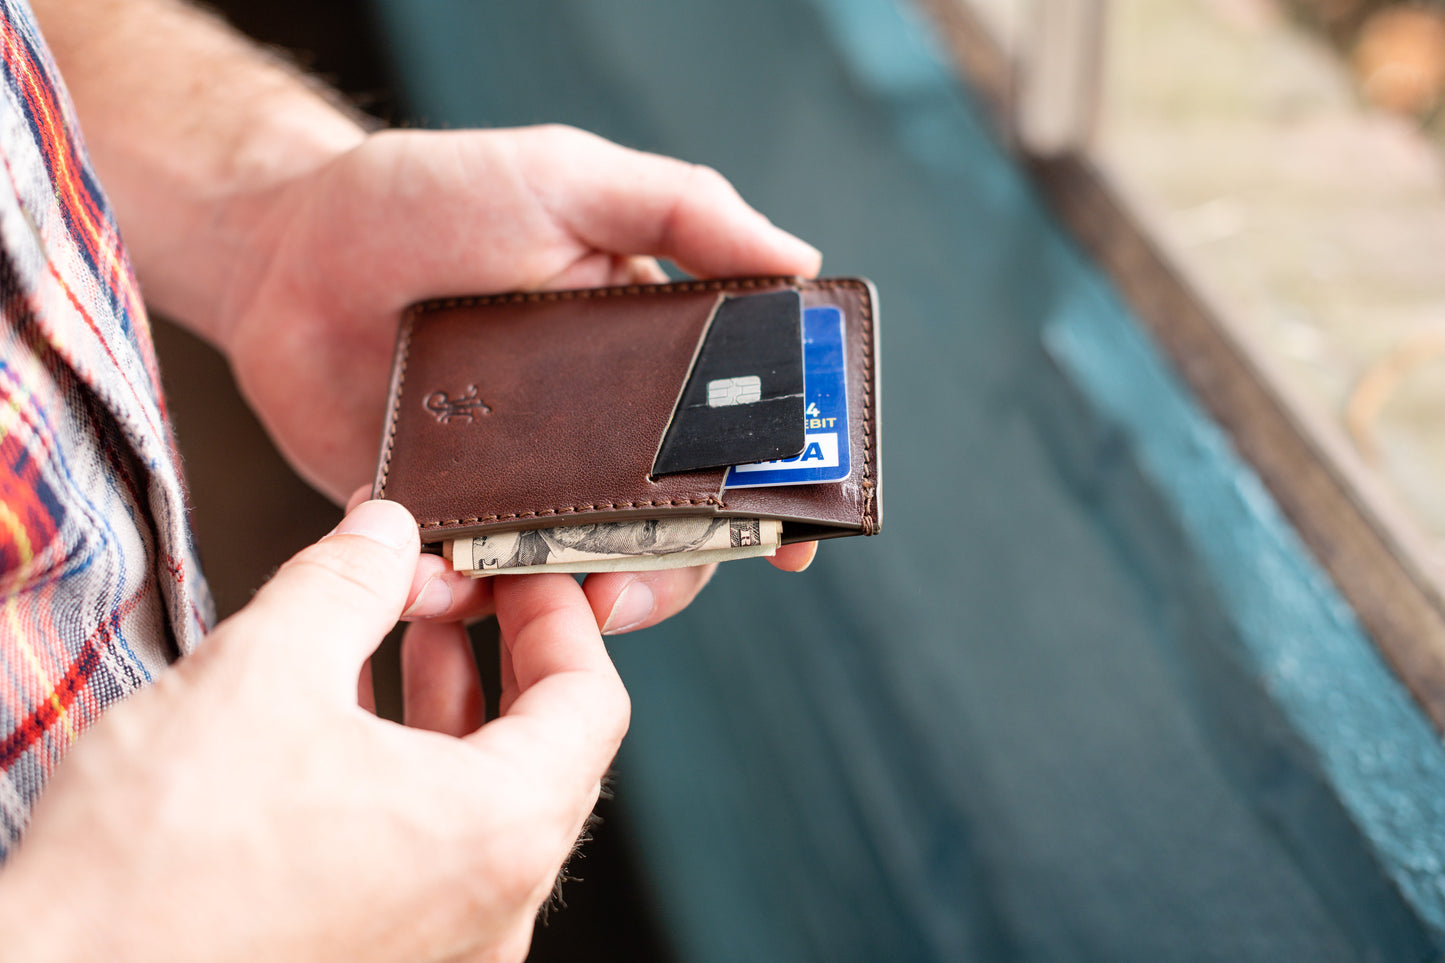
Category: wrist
<point>209,254</point>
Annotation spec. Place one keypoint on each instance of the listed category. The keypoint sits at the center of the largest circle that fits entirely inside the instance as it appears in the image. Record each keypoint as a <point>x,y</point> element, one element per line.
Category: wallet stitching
<point>573,509</point>
<point>391,416</point>
<point>584,294</point>
<point>679,287</point>
<point>867,482</point>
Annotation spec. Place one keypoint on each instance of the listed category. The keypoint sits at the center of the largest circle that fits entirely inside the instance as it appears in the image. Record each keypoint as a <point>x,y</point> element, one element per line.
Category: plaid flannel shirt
<point>99,584</point>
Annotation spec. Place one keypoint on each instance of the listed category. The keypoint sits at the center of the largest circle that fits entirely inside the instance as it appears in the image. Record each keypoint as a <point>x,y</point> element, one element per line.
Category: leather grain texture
<point>539,409</point>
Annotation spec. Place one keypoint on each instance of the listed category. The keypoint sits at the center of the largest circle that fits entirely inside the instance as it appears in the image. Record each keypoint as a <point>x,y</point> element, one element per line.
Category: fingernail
<point>381,521</point>
<point>632,608</point>
<point>434,598</point>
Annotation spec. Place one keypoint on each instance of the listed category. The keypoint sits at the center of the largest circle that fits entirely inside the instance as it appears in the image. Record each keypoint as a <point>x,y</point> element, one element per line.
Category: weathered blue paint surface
<point>1087,698</point>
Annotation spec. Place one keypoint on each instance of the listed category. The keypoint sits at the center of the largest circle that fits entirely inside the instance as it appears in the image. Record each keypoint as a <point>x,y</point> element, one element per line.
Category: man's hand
<point>248,796</point>
<point>310,322</point>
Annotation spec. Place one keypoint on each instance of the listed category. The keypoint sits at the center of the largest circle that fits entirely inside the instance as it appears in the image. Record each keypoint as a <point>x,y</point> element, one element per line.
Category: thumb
<point>327,609</point>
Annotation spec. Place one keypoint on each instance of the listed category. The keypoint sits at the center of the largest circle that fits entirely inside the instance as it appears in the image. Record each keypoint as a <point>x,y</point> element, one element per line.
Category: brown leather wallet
<point>543,409</point>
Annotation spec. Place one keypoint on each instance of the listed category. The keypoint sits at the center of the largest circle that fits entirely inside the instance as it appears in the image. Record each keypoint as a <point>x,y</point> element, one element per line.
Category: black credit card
<point>743,401</point>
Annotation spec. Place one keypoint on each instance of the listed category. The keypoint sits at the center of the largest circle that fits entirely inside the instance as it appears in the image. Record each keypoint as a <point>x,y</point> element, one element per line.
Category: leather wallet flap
<point>540,409</point>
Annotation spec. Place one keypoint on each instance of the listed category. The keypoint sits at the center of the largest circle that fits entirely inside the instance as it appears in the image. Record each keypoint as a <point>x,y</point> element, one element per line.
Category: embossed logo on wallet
<point>468,406</point>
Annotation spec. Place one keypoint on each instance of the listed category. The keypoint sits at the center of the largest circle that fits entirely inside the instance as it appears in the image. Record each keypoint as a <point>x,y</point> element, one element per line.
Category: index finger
<point>571,710</point>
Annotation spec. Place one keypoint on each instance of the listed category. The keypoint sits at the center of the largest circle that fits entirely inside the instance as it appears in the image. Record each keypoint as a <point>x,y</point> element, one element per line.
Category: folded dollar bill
<point>632,546</point>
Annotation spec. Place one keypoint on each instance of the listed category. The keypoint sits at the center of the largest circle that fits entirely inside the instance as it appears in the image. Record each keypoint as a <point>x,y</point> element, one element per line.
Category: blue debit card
<point>825,456</point>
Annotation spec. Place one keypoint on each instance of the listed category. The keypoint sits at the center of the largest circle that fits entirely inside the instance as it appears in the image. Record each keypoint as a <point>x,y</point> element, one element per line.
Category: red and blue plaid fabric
<point>99,584</point>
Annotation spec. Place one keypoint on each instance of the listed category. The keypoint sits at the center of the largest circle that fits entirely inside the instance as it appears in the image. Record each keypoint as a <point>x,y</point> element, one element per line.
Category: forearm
<point>186,122</point>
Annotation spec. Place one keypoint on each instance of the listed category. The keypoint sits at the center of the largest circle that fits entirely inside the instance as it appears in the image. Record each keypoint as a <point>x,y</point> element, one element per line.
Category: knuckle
<point>560,136</point>
<point>709,179</point>
<point>621,719</point>
<point>614,716</point>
